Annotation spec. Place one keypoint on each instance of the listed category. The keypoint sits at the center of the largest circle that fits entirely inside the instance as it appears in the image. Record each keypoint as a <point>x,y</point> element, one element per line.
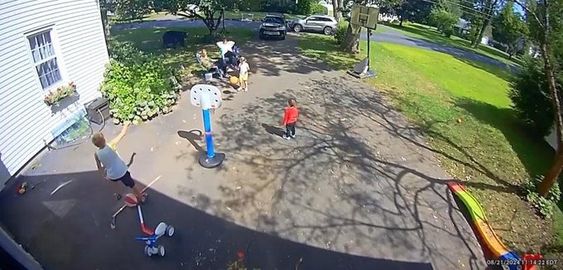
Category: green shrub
<point>543,205</point>
<point>304,7</point>
<point>126,52</point>
<point>318,9</point>
<point>340,33</point>
<point>137,86</point>
<point>531,99</point>
<point>444,20</point>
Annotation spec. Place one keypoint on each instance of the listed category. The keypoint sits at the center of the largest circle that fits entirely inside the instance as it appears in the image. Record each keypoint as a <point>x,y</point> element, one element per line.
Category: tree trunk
<point>479,36</point>
<point>489,7</point>
<point>553,174</point>
<point>401,21</point>
<point>351,40</point>
<point>335,11</point>
<point>340,7</point>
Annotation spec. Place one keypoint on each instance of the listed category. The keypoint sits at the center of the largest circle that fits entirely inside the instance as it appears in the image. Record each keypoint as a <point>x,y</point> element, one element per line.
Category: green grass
<point>257,15</point>
<point>150,40</point>
<point>464,111</point>
<point>431,34</point>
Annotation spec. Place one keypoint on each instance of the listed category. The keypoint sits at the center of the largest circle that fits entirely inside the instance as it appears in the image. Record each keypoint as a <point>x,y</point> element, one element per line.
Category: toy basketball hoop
<point>207,97</point>
<point>363,16</point>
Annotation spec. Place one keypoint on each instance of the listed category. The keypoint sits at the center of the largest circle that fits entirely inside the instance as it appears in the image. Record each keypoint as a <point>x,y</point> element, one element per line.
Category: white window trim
<point>58,54</point>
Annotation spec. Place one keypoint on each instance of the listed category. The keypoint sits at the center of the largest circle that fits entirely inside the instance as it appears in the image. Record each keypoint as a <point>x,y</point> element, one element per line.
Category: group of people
<point>113,168</point>
<point>229,59</point>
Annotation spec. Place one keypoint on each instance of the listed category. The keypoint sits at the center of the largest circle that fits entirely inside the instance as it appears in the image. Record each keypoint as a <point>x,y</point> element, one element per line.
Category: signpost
<point>362,16</point>
<point>207,97</point>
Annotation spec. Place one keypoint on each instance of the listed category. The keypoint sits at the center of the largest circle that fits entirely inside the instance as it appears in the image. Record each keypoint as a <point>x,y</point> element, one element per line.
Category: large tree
<point>509,28</point>
<point>485,10</point>
<point>352,38</point>
<point>413,10</point>
<point>132,9</point>
<point>545,20</point>
<point>445,15</point>
<point>210,12</point>
<point>336,10</point>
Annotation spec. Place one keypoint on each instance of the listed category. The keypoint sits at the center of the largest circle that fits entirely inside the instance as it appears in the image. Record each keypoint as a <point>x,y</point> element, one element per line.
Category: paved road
<point>358,189</point>
<point>389,35</point>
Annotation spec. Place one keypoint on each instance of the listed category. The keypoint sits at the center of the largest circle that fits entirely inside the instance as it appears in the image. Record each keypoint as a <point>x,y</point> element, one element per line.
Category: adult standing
<point>225,47</point>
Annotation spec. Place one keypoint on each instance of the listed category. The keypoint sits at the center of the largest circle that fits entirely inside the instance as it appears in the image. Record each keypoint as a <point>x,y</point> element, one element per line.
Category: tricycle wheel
<point>170,230</point>
<point>148,251</point>
<point>161,251</point>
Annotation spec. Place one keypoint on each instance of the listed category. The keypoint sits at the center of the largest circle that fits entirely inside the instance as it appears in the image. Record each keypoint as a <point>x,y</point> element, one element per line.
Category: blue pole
<point>208,135</point>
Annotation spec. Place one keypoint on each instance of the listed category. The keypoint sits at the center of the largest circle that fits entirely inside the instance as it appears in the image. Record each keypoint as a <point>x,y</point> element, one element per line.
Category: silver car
<point>315,23</point>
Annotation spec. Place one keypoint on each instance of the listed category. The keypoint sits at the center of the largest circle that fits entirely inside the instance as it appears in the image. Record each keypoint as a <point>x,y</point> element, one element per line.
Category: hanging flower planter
<point>54,97</point>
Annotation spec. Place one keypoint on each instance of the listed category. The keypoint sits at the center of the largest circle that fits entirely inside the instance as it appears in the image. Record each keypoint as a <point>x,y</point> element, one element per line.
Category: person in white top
<point>244,69</point>
<point>111,166</point>
<point>225,46</point>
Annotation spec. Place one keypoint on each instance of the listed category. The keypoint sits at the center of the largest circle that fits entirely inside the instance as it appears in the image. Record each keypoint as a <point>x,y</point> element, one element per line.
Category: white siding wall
<point>25,121</point>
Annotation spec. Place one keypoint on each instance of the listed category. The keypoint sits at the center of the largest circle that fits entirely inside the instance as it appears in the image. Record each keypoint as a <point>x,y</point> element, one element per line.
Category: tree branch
<point>190,14</point>
<point>530,12</point>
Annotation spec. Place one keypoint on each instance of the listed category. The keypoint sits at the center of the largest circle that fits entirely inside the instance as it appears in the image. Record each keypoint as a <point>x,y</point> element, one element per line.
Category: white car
<point>315,23</point>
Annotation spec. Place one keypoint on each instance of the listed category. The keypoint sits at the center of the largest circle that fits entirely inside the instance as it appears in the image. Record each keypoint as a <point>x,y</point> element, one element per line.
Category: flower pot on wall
<point>62,97</point>
<point>65,102</point>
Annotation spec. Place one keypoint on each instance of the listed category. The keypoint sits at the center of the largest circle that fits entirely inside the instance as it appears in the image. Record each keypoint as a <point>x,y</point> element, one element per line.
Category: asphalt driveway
<point>358,189</point>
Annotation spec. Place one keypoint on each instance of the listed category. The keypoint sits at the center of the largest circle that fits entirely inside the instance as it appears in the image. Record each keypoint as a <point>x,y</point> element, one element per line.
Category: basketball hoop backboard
<point>364,16</point>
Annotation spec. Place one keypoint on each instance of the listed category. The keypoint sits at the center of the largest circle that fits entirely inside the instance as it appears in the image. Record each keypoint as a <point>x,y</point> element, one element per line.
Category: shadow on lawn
<point>534,153</point>
<point>77,217</point>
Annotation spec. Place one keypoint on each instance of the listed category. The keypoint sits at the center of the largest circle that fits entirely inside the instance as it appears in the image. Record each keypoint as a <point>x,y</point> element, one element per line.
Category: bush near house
<point>304,7</point>
<point>543,205</point>
<point>317,8</point>
<point>340,33</point>
<point>531,99</point>
<point>138,86</point>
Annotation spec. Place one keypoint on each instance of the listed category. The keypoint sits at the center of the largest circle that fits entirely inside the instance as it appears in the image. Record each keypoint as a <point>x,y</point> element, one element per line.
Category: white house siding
<point>77,34</point>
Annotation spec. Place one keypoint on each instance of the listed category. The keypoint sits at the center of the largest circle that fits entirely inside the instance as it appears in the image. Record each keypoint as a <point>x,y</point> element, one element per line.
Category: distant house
<point>45,45</point>
<point>462,27</point>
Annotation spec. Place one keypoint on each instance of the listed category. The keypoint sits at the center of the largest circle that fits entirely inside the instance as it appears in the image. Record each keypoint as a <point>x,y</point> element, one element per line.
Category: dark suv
<point>273,25</point>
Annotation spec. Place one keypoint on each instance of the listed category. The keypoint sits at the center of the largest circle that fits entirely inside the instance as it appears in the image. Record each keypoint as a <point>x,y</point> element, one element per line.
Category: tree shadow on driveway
<point>358,179</point>
<point>76,222</point>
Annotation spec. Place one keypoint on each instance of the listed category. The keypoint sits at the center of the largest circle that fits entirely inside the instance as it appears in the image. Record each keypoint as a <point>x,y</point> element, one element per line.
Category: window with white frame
<point>44,58</point>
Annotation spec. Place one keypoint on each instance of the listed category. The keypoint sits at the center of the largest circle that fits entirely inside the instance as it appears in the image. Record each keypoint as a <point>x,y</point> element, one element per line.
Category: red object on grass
<point>240,255</point>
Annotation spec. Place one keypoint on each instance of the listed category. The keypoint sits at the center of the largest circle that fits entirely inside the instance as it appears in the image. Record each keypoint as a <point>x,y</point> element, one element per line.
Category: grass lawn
<point>464,111</point>
<point>254,15</point>
<point>150,40</point>
<point>431,34</point>
<point>229,15</point>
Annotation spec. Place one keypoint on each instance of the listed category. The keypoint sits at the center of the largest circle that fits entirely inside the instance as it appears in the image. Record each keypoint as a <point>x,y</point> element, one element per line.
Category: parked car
<point>273,25</point>
<point>315,23</point>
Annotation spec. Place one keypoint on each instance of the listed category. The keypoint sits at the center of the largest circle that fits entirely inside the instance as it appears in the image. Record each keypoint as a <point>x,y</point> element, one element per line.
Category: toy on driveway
<point>207,97</point>
<point>151,236</point>
<point>151,247</point>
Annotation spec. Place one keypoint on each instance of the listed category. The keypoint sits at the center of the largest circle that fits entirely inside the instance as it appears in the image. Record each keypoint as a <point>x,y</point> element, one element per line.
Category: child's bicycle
<point>152,248</point>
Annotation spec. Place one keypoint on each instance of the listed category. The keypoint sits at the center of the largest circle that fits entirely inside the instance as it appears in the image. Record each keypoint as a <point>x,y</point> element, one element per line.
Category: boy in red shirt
<point>290,118</point>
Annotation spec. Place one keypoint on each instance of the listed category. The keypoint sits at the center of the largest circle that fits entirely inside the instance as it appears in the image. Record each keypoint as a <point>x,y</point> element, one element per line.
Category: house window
<point>44,58</point>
